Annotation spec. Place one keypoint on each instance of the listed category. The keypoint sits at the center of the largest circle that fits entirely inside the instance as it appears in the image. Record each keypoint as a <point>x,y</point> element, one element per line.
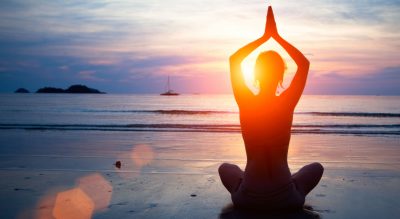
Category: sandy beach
<point>45,172</point>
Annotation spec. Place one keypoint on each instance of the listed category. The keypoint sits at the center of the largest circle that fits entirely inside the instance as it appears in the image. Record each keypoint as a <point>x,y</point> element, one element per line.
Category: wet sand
<point>174,175</point>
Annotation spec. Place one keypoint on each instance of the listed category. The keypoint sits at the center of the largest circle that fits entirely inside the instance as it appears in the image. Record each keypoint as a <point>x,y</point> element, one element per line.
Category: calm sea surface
<point>353,115</point>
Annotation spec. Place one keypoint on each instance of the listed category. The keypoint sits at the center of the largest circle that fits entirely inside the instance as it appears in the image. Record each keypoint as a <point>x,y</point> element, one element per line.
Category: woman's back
<point>266,125</point>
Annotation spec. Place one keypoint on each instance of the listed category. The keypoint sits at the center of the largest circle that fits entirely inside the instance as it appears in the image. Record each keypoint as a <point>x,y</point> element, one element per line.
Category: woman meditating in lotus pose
<point>266,121</point>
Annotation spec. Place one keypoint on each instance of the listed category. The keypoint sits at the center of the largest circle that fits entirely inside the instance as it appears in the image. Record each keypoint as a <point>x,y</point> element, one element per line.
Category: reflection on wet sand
<point>229,212</point>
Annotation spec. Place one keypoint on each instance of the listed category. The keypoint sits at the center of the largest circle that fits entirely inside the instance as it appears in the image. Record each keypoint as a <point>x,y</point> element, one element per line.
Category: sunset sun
<point>248,72</point>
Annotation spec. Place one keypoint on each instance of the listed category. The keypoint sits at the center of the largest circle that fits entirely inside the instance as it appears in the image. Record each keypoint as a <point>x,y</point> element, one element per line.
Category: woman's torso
<point>266,126</point>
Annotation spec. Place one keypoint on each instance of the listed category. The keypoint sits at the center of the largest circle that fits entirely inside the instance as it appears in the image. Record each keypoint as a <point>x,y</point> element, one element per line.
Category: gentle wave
<point>351,114</point>
<point>177,112</point>
<point>355,129</point>
<point>207,112</point>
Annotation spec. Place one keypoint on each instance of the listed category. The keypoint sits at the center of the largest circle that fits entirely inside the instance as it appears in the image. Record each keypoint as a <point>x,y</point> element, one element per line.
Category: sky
<point>131,46</point>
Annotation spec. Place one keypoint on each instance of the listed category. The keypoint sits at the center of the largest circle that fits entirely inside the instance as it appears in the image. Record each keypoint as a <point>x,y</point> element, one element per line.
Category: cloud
<point>121,40</point>
<point>382,82</point>
<point>90,75</point>
<point>64,68</point>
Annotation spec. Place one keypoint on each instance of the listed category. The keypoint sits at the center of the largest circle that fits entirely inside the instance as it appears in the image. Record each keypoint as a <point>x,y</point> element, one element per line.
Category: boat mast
<point>168,84</point>
<point>169,92</point>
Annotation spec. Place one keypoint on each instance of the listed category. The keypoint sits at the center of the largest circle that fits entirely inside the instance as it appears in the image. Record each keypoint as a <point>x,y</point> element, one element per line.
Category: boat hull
<point>169,94</point>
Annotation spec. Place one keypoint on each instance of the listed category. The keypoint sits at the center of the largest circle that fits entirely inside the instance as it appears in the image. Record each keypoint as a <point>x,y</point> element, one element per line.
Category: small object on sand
<point>193,195</point>
<point>118,164</point>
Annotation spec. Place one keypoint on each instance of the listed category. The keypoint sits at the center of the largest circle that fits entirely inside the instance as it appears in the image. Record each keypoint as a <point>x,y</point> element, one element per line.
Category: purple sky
<point>131,46</point>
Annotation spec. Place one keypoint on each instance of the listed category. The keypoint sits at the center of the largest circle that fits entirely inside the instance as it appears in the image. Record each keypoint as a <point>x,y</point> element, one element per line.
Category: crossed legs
<point>308,177</point>
<point>231,176</point>
<point>305,179</point>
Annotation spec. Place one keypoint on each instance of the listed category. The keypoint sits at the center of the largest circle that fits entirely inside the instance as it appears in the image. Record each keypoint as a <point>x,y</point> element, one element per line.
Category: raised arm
<point>293,93</point>
<point>240,89</point>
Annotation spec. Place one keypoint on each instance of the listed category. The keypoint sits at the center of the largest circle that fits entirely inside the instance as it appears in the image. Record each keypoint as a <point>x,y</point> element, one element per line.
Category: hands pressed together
<point>270,26</point>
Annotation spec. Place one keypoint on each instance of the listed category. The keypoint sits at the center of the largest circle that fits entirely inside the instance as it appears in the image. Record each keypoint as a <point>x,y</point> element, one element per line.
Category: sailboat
<point>169,92</point>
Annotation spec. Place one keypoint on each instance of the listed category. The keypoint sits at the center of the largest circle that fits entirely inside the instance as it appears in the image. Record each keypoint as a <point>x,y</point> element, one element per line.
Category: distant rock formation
<point>74,89</point>
<point>21,90</point>
<point>82,89</point>
<point>50,90</point>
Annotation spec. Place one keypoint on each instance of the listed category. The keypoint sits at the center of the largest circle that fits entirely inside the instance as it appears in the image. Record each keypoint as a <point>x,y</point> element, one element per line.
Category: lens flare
<point>73,203</point>
<point>98,189</point>
<point>142,155</point>
<point>91,194</point>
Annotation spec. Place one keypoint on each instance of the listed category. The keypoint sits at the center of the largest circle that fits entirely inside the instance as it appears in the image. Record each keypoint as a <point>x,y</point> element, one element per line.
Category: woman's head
<point>269,71</point>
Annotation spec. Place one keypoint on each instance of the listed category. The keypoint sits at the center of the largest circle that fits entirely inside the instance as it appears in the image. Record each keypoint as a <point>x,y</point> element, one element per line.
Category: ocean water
<point>349,115</point>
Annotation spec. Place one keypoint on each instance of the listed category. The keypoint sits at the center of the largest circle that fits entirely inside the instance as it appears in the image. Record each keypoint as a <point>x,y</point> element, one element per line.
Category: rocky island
<point>21,90</point>
<point>74,89</point>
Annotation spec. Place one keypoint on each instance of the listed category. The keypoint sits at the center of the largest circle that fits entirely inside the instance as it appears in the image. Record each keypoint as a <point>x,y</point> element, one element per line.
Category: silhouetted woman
<point>266,121</point>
